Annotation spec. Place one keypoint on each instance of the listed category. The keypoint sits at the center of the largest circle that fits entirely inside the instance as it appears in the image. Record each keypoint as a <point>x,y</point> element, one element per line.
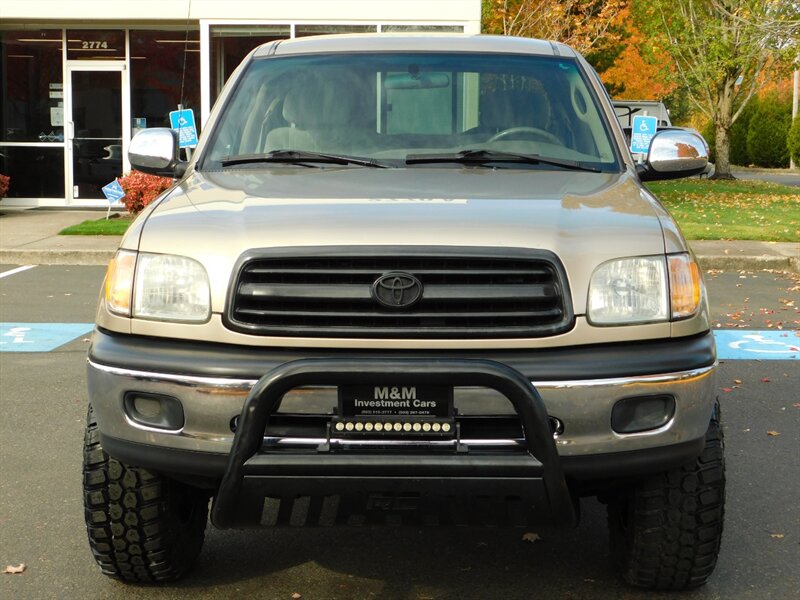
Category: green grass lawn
<point>732,210</point>
<point>116,226</point>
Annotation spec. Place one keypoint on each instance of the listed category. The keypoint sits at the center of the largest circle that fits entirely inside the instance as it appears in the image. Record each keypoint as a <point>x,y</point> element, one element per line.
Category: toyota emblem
<point>397,290</point>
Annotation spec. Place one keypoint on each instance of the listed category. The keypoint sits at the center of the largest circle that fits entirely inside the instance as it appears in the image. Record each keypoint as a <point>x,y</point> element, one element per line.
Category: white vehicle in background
<point>627,109</point>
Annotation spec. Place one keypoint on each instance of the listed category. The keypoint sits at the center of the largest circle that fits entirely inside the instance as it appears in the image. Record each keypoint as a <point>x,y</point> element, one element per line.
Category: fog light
<point>642,413</point>
<point>154,410</point>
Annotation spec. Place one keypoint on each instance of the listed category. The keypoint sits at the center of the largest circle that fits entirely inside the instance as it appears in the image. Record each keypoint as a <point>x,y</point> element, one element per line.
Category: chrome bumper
<point>584,406</point>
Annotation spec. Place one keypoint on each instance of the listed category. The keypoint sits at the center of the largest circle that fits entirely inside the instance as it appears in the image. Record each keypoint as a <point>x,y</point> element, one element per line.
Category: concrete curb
<point>748,263</point>
<point>16,256</point>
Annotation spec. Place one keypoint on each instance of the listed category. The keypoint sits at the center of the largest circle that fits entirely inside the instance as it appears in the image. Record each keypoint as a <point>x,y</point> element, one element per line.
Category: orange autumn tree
<point>641,71</point>
<point>586,25</point>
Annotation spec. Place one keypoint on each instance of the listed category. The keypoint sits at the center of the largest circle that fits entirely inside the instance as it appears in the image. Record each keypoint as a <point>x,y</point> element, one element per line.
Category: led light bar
<point>392,426</point>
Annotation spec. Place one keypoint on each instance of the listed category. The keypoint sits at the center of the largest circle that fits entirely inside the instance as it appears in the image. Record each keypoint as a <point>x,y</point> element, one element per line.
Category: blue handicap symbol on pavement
<point>747,344</point>
<point>642,131</point>
<point>183,122</point>
<point>113,191</point>
<point>39,337</point>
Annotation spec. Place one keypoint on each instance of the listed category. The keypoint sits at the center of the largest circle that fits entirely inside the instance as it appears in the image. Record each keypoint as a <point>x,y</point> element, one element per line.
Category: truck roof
<point>414,42</point>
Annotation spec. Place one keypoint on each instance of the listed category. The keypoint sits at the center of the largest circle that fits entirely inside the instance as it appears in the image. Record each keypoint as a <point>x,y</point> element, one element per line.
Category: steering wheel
<point>523,129</point>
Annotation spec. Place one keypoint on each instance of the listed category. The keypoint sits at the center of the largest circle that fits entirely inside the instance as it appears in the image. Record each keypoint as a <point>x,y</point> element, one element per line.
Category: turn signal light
<point>119,282</point>
<point>685,284</point>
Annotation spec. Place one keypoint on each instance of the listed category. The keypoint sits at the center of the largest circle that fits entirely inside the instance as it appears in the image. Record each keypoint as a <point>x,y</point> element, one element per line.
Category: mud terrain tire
<point>142,526</point>
<point>666,532</point>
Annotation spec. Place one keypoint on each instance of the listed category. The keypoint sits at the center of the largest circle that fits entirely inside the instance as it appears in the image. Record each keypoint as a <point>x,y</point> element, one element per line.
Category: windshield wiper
<point>298,156</point>
<point>480,157</point>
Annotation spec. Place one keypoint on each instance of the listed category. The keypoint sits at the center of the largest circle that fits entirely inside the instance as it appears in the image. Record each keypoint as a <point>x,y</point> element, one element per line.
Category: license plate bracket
<point>408,401</point>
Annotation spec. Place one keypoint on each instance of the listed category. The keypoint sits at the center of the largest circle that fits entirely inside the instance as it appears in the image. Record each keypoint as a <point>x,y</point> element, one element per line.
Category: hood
<point>214,217</point>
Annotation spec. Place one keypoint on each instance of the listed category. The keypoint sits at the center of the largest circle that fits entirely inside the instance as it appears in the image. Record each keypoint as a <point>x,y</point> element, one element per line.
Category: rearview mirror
<point>155,151</point>
<point>674,153</point>
<point>416,81</point>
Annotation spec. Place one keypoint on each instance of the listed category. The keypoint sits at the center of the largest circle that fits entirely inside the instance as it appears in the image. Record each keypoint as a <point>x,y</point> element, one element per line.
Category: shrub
<point>737,138</point>
<point>5,180</point>
<point>767,133</point>
<point>141,189</point>
<point>739,130</point>
<point>793,141</point>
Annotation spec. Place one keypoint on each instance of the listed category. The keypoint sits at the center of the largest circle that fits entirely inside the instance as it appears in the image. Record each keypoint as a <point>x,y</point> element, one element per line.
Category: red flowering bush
<point>5,180</point>
<point>141,189</point>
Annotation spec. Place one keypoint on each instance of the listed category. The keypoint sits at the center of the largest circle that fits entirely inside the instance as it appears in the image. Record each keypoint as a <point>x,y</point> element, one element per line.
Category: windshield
<point>386,107</point>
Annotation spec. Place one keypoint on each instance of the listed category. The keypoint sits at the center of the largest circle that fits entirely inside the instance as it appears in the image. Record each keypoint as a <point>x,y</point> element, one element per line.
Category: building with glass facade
<point>78,79</point>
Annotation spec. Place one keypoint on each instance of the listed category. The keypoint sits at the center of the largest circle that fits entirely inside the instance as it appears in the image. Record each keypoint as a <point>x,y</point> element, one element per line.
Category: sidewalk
<point>31,237</point>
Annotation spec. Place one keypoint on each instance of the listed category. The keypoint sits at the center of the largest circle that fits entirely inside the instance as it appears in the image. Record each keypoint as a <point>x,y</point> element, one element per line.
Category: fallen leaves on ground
<point>531,537</point>
<point>777,536</point>
<point>12,570</point>
<point>297,596</point>
<point>773,433</point>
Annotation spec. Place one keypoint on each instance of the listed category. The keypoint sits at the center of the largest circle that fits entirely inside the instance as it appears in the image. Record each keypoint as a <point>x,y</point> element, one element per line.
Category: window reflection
<point>31,79</point>
<point>36,172</point>
<point>306,30</point>
<point>165,71</point>
<point>230,44</point>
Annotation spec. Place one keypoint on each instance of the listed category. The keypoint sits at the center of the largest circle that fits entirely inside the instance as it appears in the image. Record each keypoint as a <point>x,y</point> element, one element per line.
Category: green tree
<point>793,141</point>
<point>723,51</point>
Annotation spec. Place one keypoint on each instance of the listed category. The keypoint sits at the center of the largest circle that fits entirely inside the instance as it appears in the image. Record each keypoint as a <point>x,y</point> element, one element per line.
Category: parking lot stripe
<point>15,271</point>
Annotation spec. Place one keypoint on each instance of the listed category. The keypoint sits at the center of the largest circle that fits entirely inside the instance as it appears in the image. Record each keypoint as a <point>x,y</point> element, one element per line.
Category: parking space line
<point>15,271</point>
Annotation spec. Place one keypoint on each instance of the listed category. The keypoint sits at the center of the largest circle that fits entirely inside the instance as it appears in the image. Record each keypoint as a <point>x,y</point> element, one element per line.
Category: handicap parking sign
<point>182,121</point>
<point>642,131</point>
<point>113,191</point>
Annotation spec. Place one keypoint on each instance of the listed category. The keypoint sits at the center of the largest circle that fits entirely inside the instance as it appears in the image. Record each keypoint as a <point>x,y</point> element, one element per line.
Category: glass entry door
<point>94,129</point>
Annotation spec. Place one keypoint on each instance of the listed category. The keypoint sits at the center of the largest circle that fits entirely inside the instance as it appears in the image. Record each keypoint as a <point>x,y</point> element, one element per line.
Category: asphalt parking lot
<point>43,402</point>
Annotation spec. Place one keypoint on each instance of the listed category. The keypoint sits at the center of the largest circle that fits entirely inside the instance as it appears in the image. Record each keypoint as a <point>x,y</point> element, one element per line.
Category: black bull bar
<point>317,488</point>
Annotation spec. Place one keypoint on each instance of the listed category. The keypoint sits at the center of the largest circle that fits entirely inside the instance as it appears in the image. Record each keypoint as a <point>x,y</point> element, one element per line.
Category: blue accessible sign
<point>182,121</point>
<point>747,344</point>
<point>39,337</point>
<point>113,192</point>
<point>642,131</point>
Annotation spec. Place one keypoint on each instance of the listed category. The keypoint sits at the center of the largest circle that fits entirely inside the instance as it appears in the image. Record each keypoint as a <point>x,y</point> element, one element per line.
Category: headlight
<point>647,289</point>
<point>629,291</point>
<point>168,288</point>
<point>171,288</point>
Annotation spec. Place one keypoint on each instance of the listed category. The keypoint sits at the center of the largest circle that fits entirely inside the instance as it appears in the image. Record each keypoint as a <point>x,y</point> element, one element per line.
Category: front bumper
<point>259,485</point>
<point>201,378</point>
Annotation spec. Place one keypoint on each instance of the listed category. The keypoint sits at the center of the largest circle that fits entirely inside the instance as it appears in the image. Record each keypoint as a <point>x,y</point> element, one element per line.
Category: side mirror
<point>674,153</point>
<point>155,151</point>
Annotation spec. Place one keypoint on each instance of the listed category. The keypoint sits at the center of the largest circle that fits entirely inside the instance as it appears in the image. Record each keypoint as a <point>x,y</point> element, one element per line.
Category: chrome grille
<point>467,293</point>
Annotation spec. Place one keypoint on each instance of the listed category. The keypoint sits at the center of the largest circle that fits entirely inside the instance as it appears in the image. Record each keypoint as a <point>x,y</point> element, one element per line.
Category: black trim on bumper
<point>598,361</point>
<point>210,467</point>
